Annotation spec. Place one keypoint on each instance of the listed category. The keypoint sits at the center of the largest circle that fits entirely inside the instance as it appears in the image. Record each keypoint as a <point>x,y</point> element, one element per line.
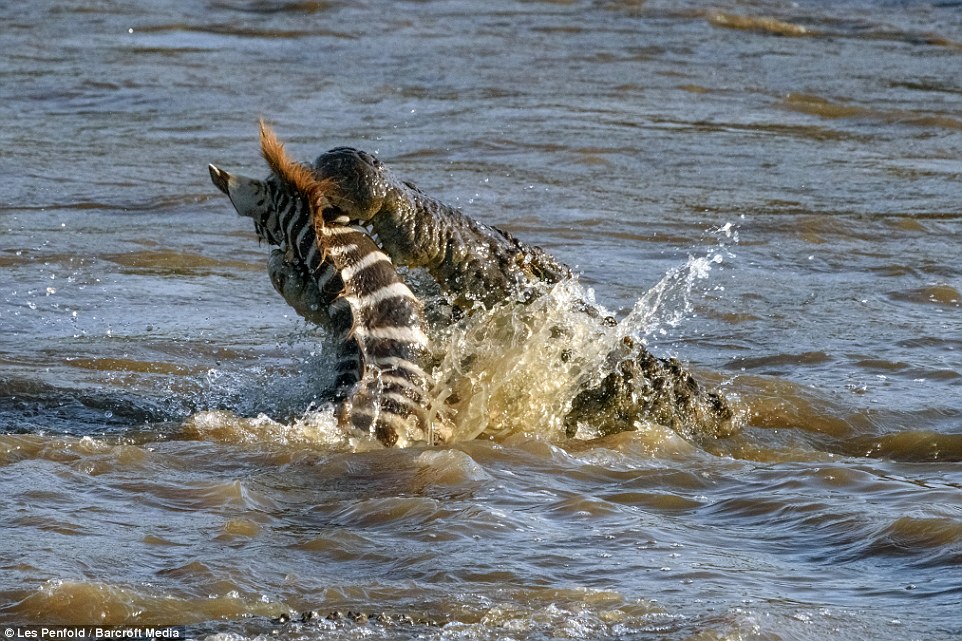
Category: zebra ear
<point>220,178</point>
<point>248,195</point>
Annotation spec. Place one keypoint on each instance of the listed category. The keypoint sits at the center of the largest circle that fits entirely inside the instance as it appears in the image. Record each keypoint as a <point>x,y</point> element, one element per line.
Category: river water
<point>770,191</point>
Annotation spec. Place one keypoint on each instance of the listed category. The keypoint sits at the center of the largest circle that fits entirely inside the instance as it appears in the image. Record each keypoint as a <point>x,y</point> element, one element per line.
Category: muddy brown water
<point>770,191</point>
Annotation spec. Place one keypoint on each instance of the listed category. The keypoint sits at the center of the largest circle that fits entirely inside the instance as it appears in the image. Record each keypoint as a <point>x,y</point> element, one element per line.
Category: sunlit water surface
<point>770,191</point>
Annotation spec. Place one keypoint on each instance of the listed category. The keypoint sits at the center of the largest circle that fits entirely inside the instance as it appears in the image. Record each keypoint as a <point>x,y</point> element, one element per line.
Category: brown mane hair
<point>297,175</point>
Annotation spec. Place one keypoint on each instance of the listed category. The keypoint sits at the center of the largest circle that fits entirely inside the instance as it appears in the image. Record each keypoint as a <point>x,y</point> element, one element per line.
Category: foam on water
<point>317,429</point>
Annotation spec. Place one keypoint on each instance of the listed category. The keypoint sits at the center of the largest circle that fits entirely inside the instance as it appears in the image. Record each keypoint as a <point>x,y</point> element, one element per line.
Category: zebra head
<point>255,199</point>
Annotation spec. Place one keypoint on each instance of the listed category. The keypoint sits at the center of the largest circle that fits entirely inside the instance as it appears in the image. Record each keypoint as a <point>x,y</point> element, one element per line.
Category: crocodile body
<point>474,263</point>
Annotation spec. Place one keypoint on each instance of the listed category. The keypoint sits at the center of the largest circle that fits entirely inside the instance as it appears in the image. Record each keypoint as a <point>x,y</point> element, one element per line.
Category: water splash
<point>518,368</point>
<point>666,305</point>
<point>512,369</point>
<point>279,387</point>
<point>313,429</point>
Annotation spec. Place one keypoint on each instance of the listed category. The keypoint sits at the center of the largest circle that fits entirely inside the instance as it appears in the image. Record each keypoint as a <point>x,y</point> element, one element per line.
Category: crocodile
<point>473,263</point>
<point>477,264</point>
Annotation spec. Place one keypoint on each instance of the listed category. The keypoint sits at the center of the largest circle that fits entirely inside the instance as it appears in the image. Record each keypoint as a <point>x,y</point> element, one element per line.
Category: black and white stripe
<point>380,323</point>
<point>383,324</point>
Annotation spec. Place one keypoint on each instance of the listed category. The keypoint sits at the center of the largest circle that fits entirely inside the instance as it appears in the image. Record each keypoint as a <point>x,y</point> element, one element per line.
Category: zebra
<point>380,382</point>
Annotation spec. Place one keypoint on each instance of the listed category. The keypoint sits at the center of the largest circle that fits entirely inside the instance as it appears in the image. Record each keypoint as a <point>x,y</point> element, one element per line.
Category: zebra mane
<point>296,175</point>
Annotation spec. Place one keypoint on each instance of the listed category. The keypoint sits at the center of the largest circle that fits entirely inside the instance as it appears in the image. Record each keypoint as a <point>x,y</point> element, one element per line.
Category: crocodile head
<point>362,186</point>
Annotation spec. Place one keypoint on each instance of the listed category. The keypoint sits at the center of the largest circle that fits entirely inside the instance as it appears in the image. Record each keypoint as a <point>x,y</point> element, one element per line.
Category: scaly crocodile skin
<point>471,261</point>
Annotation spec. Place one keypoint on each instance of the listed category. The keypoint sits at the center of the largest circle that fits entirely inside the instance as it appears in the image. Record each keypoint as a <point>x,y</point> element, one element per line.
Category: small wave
<point>86,455</point>
<point>834,109</point>
<point>827,27</point>
<point>910,445</point>
<point>927,541</point>
<point>623,450</point>
<point>167,262</point>
<point>30,405</point>
<point>233,497</point>
<point>448,468</point>
<point>780,363</point>
<point>243,30</point>
<point>67,602</point>
<point>768,25</point>
<point>270,7</point>
<point>314,429</point>
<point>390,512</point>
<point>940,294</point>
